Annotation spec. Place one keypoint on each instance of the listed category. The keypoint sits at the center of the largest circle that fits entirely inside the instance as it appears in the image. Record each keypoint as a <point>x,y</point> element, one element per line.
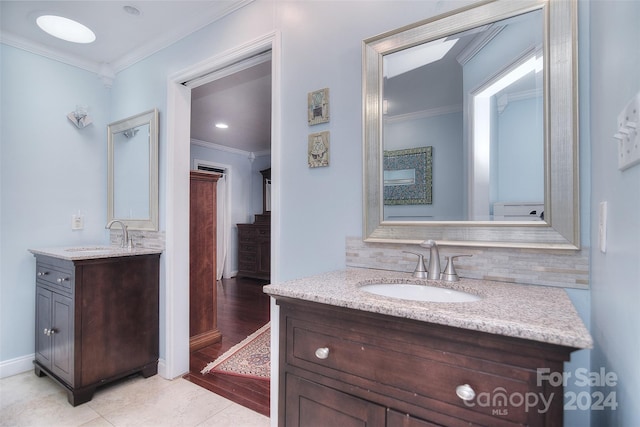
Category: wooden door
<point>203,323</point>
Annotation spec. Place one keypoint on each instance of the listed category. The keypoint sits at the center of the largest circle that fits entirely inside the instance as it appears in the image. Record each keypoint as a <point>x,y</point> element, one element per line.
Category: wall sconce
<point>130,133</point>
<point>79,117</point>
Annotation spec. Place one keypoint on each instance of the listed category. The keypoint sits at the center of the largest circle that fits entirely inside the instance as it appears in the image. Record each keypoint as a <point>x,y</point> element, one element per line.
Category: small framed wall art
<point>318,149</point>
<point>318,106</point>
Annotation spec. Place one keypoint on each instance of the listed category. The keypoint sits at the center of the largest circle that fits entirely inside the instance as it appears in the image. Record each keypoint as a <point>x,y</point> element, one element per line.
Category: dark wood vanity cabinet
<point>96,321</point>
<point>345,367</point>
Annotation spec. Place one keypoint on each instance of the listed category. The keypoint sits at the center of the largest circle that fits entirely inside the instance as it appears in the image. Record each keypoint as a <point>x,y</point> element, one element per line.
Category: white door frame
<point>176,255</point>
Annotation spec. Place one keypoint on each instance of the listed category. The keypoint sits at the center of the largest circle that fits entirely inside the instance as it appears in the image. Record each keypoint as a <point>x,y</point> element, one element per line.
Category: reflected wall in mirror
<point>490,89</point>
<point>493,89</point>
<point>133,171</point>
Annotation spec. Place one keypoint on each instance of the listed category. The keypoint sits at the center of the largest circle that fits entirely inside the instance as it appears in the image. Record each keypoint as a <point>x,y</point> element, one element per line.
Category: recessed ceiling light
<point>222,125</point>
<point>65,29</point>
<point>131,10</point>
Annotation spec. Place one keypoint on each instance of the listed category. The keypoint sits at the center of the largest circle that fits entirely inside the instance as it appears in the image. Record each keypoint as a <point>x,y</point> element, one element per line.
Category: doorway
<point>176,261</point>
<point>231,123</point>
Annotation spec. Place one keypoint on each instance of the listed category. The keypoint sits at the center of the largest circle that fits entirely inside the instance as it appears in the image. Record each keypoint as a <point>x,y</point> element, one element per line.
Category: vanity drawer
<point>55,276</point>
<point>426,377</point>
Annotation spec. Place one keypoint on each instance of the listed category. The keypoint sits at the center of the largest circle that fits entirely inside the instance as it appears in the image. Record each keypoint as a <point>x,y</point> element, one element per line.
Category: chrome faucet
<point>126,243</point>
<point>434,259</point>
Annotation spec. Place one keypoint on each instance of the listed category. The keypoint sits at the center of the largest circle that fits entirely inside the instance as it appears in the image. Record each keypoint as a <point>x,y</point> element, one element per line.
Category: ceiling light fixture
<point>222,125</point>
<point>65,29</point>
<point>131,10</point>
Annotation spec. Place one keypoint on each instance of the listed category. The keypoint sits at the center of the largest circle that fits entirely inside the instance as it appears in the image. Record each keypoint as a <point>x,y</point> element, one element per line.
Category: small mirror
<point>133,171</point>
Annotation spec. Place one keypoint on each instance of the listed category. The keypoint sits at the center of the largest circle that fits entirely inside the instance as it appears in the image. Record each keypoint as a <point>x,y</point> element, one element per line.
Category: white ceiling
<point>122,39</point>
<point>242,100</point>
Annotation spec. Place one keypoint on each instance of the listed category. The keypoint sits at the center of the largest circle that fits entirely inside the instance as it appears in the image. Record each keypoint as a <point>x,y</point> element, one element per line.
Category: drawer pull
<point>62,279</point>
<point>49,332</point>
<point>322,353</point>
<point>465,392</point>
<point>43,273</point>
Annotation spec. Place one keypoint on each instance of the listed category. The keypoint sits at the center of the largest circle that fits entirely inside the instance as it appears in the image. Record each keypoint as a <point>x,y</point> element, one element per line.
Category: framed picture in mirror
<point>407,176</point>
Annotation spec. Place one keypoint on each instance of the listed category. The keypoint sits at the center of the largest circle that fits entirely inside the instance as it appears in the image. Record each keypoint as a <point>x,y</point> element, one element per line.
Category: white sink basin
<point>414,292</point>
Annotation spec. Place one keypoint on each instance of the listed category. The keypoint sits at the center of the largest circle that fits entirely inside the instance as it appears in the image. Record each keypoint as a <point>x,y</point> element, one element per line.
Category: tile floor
<point>26,400</point>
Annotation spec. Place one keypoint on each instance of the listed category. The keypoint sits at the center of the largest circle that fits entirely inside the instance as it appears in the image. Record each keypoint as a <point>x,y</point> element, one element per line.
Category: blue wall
<point>615,275</point>
<point>50,169</point>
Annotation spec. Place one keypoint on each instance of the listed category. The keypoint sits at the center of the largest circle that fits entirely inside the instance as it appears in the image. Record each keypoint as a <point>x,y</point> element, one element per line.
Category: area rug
<point>250,358</point>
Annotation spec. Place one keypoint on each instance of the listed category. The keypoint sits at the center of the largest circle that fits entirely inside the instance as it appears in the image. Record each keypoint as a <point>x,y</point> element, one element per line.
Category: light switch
<point>602,227</point>
<point>628,134</point>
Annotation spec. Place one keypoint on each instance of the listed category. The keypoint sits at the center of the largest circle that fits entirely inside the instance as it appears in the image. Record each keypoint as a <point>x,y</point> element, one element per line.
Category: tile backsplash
<point>561,268</point>
<point>141,239</point>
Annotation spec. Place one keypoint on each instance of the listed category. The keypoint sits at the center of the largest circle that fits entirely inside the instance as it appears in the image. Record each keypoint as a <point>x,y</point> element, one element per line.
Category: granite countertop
<point>74,253</point>
<point>538,313</point>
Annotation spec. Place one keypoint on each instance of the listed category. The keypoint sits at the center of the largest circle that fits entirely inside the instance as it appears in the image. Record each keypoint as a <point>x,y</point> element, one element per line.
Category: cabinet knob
<point>322,353</point>
<point>43,273</point>
<point>49,332</point>
<point>465,392</point>
<point>62,279</point>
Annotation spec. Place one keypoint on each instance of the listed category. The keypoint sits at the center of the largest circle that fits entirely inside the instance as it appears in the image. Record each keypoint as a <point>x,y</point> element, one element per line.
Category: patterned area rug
<point>249,358</point>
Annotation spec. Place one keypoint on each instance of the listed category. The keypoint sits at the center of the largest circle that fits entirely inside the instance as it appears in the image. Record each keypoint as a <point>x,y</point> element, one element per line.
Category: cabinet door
<point>62,337</point>
<point>396,419</point>
<point>43,324</point>
<point>311,405</point>
<point>54,333</point>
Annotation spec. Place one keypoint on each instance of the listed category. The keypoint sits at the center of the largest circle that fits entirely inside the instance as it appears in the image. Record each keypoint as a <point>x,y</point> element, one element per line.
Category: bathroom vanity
<point>348,357</point>
<point>96,316</point>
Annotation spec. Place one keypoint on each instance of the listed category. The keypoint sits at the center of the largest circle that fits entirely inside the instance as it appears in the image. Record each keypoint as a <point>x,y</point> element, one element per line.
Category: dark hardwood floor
<point>242,309</point>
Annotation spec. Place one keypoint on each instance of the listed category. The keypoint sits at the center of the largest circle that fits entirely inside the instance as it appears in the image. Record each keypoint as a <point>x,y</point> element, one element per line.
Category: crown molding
<point>172,36</point>
<point>423,114</point>
<point>213,145</point>
<point>39,49</point>
<point>107,72</point>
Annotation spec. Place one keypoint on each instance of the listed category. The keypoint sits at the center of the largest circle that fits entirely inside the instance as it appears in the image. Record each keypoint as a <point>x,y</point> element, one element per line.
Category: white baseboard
<point>11,367</point>
<point>162,369</point>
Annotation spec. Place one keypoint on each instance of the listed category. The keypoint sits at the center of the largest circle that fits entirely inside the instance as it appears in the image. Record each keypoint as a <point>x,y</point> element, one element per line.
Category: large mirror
<point>132,195</point>
<point>470,128</point>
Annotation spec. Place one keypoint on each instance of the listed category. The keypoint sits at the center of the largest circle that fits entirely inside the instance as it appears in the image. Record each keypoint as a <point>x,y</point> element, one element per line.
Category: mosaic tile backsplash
<point>569,269</point>
<point>141,239</point>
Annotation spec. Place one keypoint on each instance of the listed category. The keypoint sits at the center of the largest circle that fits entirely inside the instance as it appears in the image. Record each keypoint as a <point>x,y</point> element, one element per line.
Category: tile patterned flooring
<point>26,400</point>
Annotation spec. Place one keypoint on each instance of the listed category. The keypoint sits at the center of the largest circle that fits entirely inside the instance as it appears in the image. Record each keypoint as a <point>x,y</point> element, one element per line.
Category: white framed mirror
<point>470,117</point>
<point>132,193</point>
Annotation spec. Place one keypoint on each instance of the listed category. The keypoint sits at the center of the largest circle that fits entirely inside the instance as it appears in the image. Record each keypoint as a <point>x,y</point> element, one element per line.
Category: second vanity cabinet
<point>96,320</point>
<point>340,366</point>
